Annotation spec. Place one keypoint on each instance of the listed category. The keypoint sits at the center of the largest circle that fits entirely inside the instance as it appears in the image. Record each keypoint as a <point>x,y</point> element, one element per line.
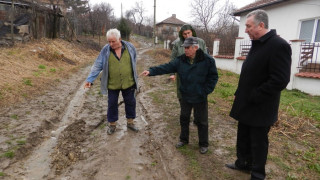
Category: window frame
<point>314,30</point>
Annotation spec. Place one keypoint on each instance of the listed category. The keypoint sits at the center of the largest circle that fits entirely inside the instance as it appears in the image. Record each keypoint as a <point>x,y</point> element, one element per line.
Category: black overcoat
<point>264,73</point>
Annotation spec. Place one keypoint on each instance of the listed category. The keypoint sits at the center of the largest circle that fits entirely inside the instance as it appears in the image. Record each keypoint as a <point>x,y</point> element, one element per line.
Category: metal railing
<point>227,47</point>
<point>245,46</point>
<point>309,57</point>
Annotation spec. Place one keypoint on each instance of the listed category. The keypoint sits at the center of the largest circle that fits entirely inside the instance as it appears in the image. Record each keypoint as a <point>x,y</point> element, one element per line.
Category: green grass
<point>53,70</point>
<point>194,165</point>
<point>225,90</point>
<point>21,142</point>
<point>37,74</point>
<point>300,104</point>
<point>14,116</point>
<point>9,154</point>
<point>42,66</point>
<point>2,174</point>
<point>27,82</point>
<point>280,163</point>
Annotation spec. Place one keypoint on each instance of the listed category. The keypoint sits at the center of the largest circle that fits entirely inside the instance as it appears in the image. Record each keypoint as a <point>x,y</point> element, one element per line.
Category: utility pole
<point>154,23</point>
<point>12,17</point>
<point>121,11</point>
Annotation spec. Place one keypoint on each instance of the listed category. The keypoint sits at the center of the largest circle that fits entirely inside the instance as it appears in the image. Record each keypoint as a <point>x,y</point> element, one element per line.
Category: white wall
<point>307,85</point>
<point>286,17</point>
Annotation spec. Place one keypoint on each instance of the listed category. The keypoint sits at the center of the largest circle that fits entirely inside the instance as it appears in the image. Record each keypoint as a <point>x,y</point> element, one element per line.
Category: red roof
<point>257,5</point>
<point>308,75</point>
<point>172,20</point>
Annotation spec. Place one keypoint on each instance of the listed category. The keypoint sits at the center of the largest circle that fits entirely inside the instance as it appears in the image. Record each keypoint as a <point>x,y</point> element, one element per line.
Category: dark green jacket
<point>197,80</point>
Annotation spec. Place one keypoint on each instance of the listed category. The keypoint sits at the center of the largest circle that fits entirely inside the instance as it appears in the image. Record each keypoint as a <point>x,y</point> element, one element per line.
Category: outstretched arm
<point>145,73</point>
<point>87,85</point>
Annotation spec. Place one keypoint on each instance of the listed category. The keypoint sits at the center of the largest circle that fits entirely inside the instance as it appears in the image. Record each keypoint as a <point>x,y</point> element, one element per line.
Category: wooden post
<point>12,17</point>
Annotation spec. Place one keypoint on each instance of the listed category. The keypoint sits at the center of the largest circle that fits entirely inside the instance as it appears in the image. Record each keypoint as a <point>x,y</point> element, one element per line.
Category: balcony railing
<point>309,57</point>
<point>245,46</point>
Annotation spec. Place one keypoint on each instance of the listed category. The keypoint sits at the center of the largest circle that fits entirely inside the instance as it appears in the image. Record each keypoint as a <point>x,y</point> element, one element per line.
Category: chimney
<point>174,15</point>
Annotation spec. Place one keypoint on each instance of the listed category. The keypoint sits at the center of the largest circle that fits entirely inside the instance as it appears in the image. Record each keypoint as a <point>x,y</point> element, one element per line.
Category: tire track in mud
<point>124,154</point>
<point>41,141</point>
<point>71,142</point>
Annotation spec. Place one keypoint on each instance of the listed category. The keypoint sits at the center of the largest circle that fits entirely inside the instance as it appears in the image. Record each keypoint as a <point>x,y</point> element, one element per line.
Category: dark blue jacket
<point>197,80</point>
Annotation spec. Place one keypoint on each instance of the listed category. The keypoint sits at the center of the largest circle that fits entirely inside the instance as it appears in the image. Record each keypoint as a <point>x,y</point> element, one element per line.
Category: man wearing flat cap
<point>198,77</point>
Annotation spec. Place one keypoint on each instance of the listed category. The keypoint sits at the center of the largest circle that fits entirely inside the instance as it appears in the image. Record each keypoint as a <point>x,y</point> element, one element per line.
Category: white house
<point>293,19</point>
<point>298,22</point>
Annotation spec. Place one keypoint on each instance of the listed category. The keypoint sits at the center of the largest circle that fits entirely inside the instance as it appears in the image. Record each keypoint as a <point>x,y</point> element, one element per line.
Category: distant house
<point>169,28</point>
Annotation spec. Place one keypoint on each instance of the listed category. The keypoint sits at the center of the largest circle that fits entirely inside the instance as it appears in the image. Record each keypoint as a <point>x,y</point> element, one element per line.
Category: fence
<point>245,46</point>
<point>305,68</point>
<point>309,57</point>
<point>226,47</point>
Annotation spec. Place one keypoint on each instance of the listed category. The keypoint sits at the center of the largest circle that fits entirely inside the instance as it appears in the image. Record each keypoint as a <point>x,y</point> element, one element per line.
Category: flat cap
<point>190,41</point>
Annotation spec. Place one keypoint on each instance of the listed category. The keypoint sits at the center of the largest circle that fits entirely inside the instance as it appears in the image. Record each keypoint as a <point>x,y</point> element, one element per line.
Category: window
<point>310,30</point>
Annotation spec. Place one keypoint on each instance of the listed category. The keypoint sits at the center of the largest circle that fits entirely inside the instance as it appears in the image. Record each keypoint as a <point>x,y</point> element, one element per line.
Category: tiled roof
<point>256,5</point>
<point>308,75</point>
<point>172,20</point>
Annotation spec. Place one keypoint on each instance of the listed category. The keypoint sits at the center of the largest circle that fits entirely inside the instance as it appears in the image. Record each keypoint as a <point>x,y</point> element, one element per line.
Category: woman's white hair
<point>113,33</point>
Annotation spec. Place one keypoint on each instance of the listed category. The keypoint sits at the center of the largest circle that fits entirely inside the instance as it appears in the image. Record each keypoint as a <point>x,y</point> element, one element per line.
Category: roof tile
<point>256,5</point>
<point>172,20</point>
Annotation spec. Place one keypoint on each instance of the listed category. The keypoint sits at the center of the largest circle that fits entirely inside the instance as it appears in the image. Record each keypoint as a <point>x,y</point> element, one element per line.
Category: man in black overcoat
<point>264,73</point>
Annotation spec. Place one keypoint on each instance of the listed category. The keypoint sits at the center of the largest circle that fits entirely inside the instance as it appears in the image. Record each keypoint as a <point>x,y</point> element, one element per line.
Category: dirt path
<point>65,137</point>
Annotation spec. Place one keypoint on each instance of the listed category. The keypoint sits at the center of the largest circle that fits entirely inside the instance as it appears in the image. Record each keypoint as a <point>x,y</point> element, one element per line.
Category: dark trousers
<point>252,149</point>
<point>129,102</point>
<point>200,117</point>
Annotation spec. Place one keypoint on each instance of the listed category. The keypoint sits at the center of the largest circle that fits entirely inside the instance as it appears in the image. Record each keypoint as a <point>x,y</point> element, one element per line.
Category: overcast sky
<point>165,8</point>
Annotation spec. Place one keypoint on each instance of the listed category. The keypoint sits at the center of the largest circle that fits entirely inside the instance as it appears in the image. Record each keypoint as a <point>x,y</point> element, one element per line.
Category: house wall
<point>307,85</point>
<point>163,27</point>
<point>286,17</point>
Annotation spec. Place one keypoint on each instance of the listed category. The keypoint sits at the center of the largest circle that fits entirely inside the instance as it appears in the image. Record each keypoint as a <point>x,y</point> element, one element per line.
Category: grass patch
<point>2,174</point>
<point>42,66</point>
<point>27,82</point>
<point>53,70</point>
<point>315,167</point>
<point>9,154</point>
<point>21,142</point>
<point>14,116</point>
<point>297,103</point>
<point>279,162</point>
<point>193,161</point>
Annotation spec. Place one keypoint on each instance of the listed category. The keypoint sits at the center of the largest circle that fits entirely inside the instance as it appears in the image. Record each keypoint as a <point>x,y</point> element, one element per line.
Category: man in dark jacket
<point>264,73</point>
<point>198,77</point>
<point>177,50</point>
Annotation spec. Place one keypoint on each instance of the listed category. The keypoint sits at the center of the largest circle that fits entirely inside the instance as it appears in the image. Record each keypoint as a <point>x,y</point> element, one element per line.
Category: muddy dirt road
<point>63,135</point>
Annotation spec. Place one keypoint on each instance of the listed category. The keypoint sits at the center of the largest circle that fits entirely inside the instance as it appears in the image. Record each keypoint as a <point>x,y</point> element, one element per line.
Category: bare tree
<point>100,18</point>
<point>204,11</point>
<point>55,4</point>
<point>224,19</point>
<point>139,11</point>
<point>225,28</point>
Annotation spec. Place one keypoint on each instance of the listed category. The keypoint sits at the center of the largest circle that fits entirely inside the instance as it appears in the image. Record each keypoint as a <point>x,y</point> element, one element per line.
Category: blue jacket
<point>197,80</point>
<point>102,64</point>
